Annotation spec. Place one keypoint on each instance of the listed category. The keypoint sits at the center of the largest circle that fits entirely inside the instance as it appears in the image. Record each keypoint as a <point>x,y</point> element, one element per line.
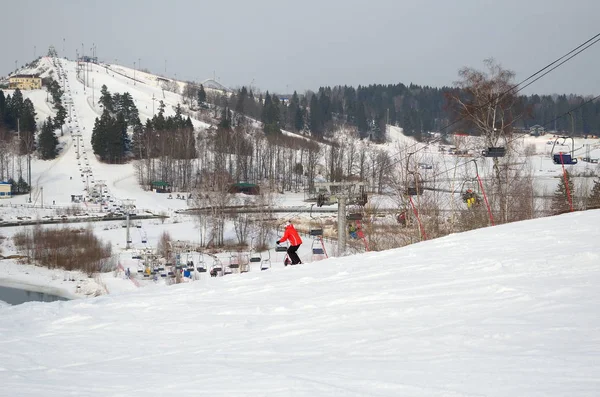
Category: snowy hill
<point>484,313</point>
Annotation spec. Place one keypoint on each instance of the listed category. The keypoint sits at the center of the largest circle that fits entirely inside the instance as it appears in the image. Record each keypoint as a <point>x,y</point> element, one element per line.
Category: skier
<point>294,238</point>
<point>352,231</point>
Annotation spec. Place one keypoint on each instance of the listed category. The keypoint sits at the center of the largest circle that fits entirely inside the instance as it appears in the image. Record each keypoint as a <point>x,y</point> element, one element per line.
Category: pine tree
<point>361,120</point>
<point>28,127</point>
<point>2,105</point>
<point>106,99</point>
<point>316,119</point>
<point>59,119</point>
<point>225,120</point>
<point>594,199</point>
<point>560,201</point>
<point>201,96</point>
<point>22,186</point>
<point>47,141</point>
<point>100,135</point>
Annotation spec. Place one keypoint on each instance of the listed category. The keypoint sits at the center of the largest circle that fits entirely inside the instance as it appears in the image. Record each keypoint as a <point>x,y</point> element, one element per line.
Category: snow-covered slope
<point>504,311</point>
<point>55,181</point>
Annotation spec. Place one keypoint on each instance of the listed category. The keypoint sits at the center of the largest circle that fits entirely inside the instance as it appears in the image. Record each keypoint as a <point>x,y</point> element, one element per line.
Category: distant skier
<point>295,241</point>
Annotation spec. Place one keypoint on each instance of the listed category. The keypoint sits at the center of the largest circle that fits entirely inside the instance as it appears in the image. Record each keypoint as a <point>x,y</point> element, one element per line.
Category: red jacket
<point>292,235</point>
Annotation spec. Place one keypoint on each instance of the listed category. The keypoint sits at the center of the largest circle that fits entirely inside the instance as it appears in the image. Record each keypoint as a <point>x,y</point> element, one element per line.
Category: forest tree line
<point>417,109</point>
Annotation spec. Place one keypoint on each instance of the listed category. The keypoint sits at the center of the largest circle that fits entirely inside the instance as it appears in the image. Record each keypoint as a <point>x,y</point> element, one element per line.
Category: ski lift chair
<point>216,269</point>
<point>265,264</point>
<point>244,263</point>
<point>355,216</point>
<point>255,257</point>
<point>494,151</point>
<point>234,262</point>
<point>315,231</point>
<point>190,266</point>
<point>201,268</point>
<point>415,187</point>
<point>316,250</point>
<point>563,158</point>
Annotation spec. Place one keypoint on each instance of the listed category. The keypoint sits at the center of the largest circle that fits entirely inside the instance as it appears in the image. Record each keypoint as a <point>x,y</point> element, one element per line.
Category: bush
<point>64,248</point>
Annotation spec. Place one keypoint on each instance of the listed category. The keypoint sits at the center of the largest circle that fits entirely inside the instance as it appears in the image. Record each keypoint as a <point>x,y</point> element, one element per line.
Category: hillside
<point>481,313</point>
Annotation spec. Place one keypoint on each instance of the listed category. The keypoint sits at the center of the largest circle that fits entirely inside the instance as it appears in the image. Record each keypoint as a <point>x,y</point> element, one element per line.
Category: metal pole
<point>572,128</point>
<point>341,225</point>
<point>29,174</point>
<point>127,225</point>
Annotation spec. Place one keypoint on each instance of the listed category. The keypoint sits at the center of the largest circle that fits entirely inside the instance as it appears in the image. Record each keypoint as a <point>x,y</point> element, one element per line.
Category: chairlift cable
<point>571,54</point>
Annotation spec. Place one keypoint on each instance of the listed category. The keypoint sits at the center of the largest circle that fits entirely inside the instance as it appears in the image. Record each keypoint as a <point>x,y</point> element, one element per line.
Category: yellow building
<point>5,190</point>
<point>24,82</point>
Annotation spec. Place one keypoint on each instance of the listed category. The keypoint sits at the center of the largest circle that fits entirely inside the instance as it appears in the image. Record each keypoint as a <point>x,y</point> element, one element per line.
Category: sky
<point>284,46</point>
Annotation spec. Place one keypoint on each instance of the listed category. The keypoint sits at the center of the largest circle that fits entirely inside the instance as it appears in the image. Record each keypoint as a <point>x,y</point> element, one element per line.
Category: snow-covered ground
<point>510,310</point>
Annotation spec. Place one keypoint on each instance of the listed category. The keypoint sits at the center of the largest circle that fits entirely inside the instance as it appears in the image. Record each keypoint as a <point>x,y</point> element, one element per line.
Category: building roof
<point>24,76</point>
<point>160,183</point>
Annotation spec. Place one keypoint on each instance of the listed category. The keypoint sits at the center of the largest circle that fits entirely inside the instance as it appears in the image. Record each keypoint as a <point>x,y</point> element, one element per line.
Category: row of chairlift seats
<point>416,188</point>
<point>557,158</point>
<point>236,265</point>
<point>499,151</point>
<point>216,269</point>
<point>161,270</point>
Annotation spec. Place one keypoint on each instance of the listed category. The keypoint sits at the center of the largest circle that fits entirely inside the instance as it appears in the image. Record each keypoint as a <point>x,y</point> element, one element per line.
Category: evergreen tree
<point>28,127</point>
<point>100,135</point>
<point>270,115</point>
<point>560,200</point>
<point>47,141</point>
<point>106,99</point>
<point>59,119</point>
<point>299,118</point>
<point>201,96</point>
<point>361,120</point>
<point>594,199</point>
<point>316,119</point>
<point>2,105</point>
<point>225,120</point>
<point>14,188</point>
<point>22,186</point>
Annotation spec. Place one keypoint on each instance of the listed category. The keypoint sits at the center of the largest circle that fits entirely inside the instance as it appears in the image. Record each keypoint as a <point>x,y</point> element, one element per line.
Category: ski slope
<point>510,310</point>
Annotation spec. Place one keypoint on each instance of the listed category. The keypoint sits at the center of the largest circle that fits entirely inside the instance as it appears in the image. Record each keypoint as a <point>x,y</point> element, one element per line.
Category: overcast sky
<point>281,45</point>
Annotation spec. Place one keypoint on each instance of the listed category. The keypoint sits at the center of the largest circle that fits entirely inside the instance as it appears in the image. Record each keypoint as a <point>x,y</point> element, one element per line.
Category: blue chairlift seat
<point>281,248</point>
<point>414,191</point>
<point>318,251</point>
<point>564,158</point>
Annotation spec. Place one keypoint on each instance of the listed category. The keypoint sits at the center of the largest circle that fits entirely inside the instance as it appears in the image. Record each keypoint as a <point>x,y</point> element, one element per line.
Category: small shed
<point>160,187</point>
<point>5,190</point>
<point>246,188</point>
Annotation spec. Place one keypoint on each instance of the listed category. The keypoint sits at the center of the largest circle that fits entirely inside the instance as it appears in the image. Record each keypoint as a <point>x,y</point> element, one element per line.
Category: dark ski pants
<point>293,255</point>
